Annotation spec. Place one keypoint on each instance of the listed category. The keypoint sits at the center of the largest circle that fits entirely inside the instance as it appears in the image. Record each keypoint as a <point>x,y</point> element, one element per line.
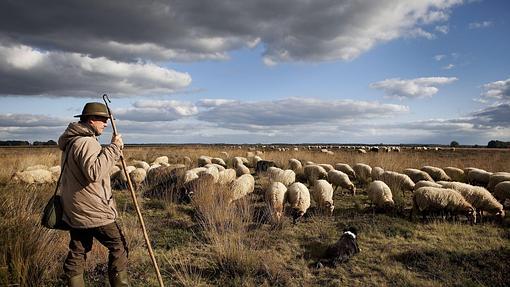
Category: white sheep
<point>417,175</point>
<point>442,199</point>
<point>436,173</point>
<point>121,176</point>
<point>496,178</point>
<point>138,176</point>
<point>141,164</point>
<point>338,178</point>
<point>242,169</point>
<point>55,172</point>
<point>160,160</point>
<point>224,155</point>
<point>212,170</point>
<point>397,181</point>
<point>314,172</point>
<point>423,183</point>
<point>347,169</point>
<point>363,172</point>
<point>276,196</point>
<point>455,173</point>
<point>242,186</point>
<point>376,172</point>
<point>298,197</point>
<point>287,177</point>
<point>219,161</point>
<point>158,174</point>
<point>226,176</point>
<point>295,165</point>
<point>478,176</point>
<point>502,191</point>
<point>380,195</point>
<point>326,166</point>
<point>36,167</point>
<point>34,176</point>
<point>480,198</point>
<point>203,160</point>
<point>239,160</point>
<point>217,166</point>
<point>322,193</point>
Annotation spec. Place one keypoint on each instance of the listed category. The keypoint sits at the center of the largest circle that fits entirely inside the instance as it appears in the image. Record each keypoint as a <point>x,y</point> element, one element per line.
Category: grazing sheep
<point>186,160</point>
<point>478,176</point>
<point>160,160</point>
<point>242,186</point>
<point>455,173</point>
<point>314,172</point>
<point>201,183</point>
<point>264,165</point>
<point>363,172</point>
<point>307,162</point>
<point>287,177</point>
<point>362,151</point>
<point>376,172</point>
<point>162,174</point>
<point>502,191</point>
<point>347,169</point>
<point>34,176</point>
<point>36,167</point>
<point>226,176</point>
<point>322,193</point>
<point>138,176</point>
<point>436,173</point>
<point>327,167</point>
<point>338,178</point>
<point>203,160</point>
<point>55,172</point>
<point>380,195</point>
<point>219,161</point>
<point>417,175</point>
<point>239,160</point>
<point>299,199</point>
<point>253,160</point>
<point>276,195</point>
<point>295,165</point>
<point>397,181</point>
<point>212,170</point>
<point>480,198</point>
<point>224,155</point>
<point>242,169</point>
<point>141,164</point>
<point>122,175</point>
<point>217,166</point>
<point>435,199</point>
<point>423,183</point>
<point>496,178</point>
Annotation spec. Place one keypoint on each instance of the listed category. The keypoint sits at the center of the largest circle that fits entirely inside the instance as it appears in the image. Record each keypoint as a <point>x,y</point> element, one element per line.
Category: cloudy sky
<point>263,71</point>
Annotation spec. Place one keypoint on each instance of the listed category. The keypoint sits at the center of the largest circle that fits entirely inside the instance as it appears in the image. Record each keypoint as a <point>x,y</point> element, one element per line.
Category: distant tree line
<point>26,143</point>
<point>498,144</point>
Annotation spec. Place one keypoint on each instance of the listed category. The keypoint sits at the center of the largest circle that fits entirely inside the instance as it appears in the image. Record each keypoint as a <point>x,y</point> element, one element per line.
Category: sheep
<point>138,176</point>
<point>122,175</point>
<point>397,181</point>
<point>203,160</point>
<point>141,164</point>
<point>436,173</point>
<point>242,169</point>
<point>361,151</point>
<point>376,172</point>
<point>160,160</point>
<point>219,161</point>
<point>242,186</point>
<point>430,198</point>
<point>314,172</point>
<point>502,191</point>
<point>200,183</point>
<point>186,160</point>
<point>35,176</point>
<point>36,167</point>
<point>275,196</point>
<point>224,155</point>
<point>298,197</point>
<point>239,160</point>
<point>322,193</point>
<point>161,174</point>
<point>327,167</point>
<point>217,166</point>
<point>480,198</point>
<point>496,178</point>
<point>363,172</point>
<point>478,176</point>
<point>287,177</point>
<point>226,176</point>
<point>347,169</point>
<point>295,165</point>
<point>455,173</point>
<point>307,162</point>
<point>55,172</point>
<point>212,170</point>
<point>423,183</point>
<point>380,195</point>
<point>264,165</point>
<point>338,178</point>
<point>253,161</point>
<point>417,175</point>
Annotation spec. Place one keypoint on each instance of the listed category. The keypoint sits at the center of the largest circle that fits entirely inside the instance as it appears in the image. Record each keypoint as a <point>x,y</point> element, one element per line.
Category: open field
<point>210,243</point>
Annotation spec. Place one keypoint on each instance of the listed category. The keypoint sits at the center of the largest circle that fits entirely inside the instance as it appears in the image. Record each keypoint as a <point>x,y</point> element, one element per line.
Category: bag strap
<point>68,148</point>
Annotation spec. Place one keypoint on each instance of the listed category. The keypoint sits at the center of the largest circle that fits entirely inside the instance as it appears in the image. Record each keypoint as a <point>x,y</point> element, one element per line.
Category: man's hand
<point>117,140</point>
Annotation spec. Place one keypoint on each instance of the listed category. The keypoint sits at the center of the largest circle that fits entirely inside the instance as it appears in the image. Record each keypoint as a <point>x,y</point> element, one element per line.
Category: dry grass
<point>211,243</point>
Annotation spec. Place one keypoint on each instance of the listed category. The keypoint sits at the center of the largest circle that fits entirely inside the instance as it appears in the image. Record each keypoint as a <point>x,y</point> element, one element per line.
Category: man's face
<point>99,123</point>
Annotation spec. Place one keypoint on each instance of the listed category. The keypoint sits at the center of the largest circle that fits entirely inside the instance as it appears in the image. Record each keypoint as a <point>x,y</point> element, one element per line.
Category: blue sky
<point>260,71</point>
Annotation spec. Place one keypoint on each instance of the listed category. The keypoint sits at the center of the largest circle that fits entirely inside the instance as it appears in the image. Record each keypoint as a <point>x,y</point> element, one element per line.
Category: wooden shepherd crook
<point>133,195</point>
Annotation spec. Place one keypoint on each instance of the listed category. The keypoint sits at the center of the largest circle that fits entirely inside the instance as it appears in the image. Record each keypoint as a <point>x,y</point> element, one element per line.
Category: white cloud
<point>211,103</point>
<point>497,90</point>
<point>29,120</point>
<point>413,88</point>
<point>439,57</point>
<point>443,29</point>
<point>478,25</point>
<point>26,71</point>
<point>152,110</point>
<point>448,67</point>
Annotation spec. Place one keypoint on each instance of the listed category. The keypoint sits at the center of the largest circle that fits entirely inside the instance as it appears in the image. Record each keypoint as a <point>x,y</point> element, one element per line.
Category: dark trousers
<point>109,235</point>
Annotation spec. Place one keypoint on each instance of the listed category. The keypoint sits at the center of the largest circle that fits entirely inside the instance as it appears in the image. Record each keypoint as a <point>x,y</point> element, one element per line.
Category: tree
<point>454,144</point>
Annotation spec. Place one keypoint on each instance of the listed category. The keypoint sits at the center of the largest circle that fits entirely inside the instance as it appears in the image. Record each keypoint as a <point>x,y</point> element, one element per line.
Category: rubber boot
<point>119,279</point>
<point>76,281</point>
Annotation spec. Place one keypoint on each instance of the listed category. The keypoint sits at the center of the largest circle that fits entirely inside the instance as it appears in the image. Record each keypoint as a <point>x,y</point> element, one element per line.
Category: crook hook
<point>105,97</point>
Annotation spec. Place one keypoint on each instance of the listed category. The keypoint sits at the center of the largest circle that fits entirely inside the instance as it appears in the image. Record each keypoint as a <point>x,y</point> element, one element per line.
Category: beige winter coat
<point>85,189</point>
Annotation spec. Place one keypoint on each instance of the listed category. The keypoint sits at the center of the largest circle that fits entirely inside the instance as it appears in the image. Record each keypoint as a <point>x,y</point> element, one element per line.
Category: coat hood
<point>75,130</point>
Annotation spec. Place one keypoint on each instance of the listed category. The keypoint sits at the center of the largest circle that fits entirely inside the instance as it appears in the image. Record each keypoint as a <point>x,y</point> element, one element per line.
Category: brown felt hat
<point>94,109</point>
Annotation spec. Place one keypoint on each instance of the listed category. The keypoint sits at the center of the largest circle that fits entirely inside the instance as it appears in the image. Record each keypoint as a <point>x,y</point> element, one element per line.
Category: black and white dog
<point>342,250</point>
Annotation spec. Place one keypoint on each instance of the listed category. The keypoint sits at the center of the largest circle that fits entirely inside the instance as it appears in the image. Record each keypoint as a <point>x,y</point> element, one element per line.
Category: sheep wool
<point>423,183</point>
<point>295,165</point>
<point>241,169</point>
<point>226,176</point>
<point>275,197</point>
<point>347,169</point>
<point>314,172</point>
<point>35,167</point>
<point>218,161</point>
<point>203,160</point>
<point>242,186</point>
<point>376,172</point>
<point>338,178</point>
<point>496,178</point>
<point>138,176</point>
<point>380,194</point>
<point>141,164</point>
<point>434,199</point>
<point>35,176</point>
<point>122,175</point>
<point>327,167</point>
<point>55,172</point>
<point>217,166</point>
<point>287,177</point>
<point>455,173</point>
<point>436,173</point>
<point>502,191</point>
<point>363,172</point>
<point>397,181</point>
<point>298,197</point>
<point>160,160</point>
<point>322,193</point>
<point>417,175</point>
<point>478,176</point>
